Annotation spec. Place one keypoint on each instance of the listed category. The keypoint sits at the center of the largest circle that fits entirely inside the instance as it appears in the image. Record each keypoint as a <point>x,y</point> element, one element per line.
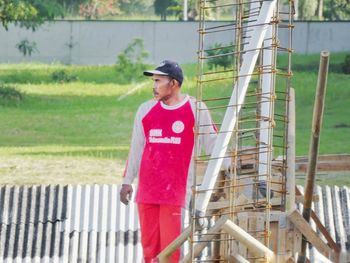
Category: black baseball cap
<point>167,68</point>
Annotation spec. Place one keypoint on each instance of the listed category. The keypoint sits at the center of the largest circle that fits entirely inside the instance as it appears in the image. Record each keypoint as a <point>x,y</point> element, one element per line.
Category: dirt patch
<point>30,171</point>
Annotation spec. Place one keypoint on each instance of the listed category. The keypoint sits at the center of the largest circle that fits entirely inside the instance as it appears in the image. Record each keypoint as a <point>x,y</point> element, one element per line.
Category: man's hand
<point>126,193</point>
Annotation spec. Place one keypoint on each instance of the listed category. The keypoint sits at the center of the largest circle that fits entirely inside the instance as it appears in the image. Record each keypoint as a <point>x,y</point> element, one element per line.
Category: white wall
<point>99,42</point>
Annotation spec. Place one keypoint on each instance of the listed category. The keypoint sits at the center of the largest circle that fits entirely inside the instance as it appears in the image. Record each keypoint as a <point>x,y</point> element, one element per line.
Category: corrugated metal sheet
<point>87,223</point>
<point>67,224</point>
<point>102,229</point>
<point>31,221</point>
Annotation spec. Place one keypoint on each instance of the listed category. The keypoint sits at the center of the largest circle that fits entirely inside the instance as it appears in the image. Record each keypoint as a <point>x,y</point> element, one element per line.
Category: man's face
<point>163,87</point>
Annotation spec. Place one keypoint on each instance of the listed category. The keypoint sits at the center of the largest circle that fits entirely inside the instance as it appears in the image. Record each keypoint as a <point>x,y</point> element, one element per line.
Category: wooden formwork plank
<point>243,223</point>
<point>287,258</point>
<point>261,229</point>
<point>310,234</point>
<point>329,166</point>
<point>236,259</point>
<point>225,204</point>
<point>282,235</point>
<point>336,162</point>
<point>274,240</point>
<point>324,158</point>
<point>296,238</point>
<point>252,228</point>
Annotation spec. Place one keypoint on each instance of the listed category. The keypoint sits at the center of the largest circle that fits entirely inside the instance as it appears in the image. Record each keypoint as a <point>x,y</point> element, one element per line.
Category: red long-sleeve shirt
<point>162,149</point>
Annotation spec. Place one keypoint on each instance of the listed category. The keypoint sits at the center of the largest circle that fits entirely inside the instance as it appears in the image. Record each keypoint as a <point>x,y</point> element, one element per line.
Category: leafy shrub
<point>9,95</point>
<point>61,76</point>
<point>130,63</point>
<point>220,59</point>
<point>346,64</point>
<point>26,47</point>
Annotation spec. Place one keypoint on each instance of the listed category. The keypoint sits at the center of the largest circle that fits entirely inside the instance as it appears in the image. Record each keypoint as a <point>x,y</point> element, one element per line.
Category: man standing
<point>161,157</point>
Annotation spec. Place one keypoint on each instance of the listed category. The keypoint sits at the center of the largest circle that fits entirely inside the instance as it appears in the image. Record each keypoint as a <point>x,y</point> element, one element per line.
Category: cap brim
<point>154,72</point>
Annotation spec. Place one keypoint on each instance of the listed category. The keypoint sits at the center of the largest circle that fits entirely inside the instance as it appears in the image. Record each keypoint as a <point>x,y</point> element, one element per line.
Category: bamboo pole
<point>314,142</point>
<point>249,241</point>
<point>163,257</point>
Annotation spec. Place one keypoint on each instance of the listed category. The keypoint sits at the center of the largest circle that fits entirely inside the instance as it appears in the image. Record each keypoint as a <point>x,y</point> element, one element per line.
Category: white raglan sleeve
<point>207,129</point>
<point>132,168</point>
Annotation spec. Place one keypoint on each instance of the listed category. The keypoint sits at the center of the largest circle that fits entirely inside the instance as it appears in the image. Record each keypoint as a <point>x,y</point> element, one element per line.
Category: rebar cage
<point>243,77</point>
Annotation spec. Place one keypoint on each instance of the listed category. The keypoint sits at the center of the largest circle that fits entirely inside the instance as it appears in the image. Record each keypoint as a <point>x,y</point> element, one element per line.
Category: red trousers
<point>160,225</point>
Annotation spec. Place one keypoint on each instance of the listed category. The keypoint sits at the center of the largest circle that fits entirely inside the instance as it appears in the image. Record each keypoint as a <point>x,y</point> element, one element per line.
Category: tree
<point>131,7</point>
<point>320,10</point>
<point>28,13</point>
<point>193,7</point>
<point>97,8</point>
<point>163,7</point>
<point>324,9</point>
<point>337,10</point>
<point>71,7</point>
<point>308,9</point>
<point>130,61</point>
<point>220,55</point>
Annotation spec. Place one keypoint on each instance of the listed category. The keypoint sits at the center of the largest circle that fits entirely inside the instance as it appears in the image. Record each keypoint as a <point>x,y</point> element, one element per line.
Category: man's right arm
<point>135,154</point>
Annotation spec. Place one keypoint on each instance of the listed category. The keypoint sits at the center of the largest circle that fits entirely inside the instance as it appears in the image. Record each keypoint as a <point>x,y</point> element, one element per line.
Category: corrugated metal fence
<point>67,224</point>
<point>89,224</point>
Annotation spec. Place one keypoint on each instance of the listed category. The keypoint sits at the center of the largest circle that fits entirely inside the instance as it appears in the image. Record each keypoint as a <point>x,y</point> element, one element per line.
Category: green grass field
<point>79,132</point>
